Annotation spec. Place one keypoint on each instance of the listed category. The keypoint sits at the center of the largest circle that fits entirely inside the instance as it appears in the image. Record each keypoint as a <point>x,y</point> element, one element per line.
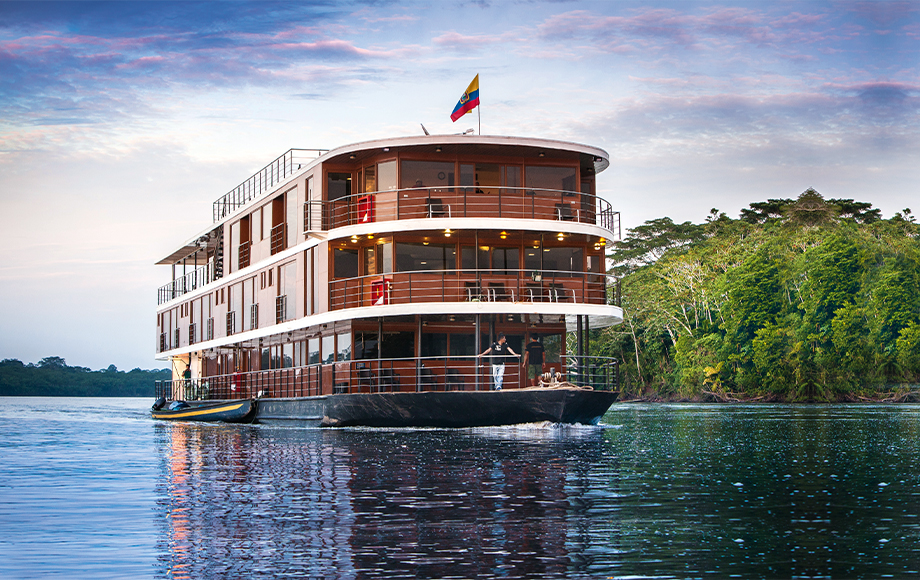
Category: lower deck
<point>392,354</point>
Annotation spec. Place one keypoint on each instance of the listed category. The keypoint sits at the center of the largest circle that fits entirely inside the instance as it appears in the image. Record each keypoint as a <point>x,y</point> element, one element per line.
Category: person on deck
<point>187,381</point>
<point>501,353</point>
<point>533,359</point>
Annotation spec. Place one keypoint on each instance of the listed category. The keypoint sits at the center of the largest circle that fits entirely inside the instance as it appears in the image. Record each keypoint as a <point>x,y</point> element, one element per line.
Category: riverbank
<point>910,394</point>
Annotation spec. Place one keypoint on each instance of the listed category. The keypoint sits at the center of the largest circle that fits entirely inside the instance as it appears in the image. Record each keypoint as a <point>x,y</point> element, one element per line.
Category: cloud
<point>663,29</point>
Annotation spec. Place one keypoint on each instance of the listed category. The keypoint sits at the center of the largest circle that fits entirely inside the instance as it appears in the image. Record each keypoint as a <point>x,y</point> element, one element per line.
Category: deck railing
<point>454,202</point>
<point>416,374</point>
<point>470,285</point>
<point>264,181</point>
<point>188,282</point>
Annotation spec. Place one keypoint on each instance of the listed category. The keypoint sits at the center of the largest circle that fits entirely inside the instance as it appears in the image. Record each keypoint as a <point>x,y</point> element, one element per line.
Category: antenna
<point>424,129</point>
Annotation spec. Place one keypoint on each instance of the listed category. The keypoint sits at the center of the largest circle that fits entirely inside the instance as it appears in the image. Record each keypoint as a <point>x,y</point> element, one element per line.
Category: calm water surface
<point>96,489</point>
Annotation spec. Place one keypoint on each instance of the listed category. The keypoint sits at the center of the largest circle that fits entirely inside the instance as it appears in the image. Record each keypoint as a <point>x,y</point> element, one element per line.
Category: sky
<point>121,122</point>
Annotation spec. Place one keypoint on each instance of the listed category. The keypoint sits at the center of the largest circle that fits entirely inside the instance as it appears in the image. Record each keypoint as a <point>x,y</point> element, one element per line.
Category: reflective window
<point>338,185</point>
<point>416,257</point>
<point>506,260</point>
<point>313,351</point>
<point>553,345</point>
<point>563,259</point>
<point>328,353</point>
<point>386,176</point>
<point>432,174</point>
<point>344,346</point>
<point>345,262</point>
<point>365,345</point>
<point>398,345</point>
<point>434,344</point>
<point>554,178</point>
<point>463,344</point>
<point>488,177</point>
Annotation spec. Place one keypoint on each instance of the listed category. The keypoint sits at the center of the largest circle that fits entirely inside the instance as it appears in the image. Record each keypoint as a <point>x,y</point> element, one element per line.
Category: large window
<point>503,260</point>
<point>386,176</point>
<point>434,344</point>
<point>343,345</point>
<point>329,349</point>
<point>563,259</point>
<point>398,345</point>
<point>345,262</point>
<point>463,345</point>
<point>433,174</point>
<point>416,257</point>
<point>365,345</point>
<point>555,178</point>
<point>507,260</point>
<point>553,345</point>
<point>338,185</point>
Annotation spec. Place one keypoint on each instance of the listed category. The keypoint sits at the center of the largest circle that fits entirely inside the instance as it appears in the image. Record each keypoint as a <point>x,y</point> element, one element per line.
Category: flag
<point>467,102</point>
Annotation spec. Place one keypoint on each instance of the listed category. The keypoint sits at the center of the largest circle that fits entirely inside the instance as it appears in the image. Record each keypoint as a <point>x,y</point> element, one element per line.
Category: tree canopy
<point>52,377</point>
<point>805,299</point>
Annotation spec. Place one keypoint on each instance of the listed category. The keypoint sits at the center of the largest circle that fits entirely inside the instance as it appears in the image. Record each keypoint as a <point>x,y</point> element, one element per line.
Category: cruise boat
<point>362,285</point>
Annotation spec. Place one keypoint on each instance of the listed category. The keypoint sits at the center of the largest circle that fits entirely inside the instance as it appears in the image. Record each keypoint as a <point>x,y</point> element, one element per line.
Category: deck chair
<point>427,378</point>
<point>436,208</point>
<point>454,380</point>
<point>564,212</point>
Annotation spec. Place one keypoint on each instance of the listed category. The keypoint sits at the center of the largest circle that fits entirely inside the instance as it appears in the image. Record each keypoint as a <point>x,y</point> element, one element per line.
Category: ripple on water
<point>96,488</point>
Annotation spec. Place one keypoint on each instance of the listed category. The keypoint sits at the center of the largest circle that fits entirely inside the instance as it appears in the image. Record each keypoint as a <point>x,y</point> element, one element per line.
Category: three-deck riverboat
<point>359,286</point>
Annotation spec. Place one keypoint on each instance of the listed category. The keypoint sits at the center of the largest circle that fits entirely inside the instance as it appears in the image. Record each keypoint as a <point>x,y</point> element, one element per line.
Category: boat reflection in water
<point>249,501</point>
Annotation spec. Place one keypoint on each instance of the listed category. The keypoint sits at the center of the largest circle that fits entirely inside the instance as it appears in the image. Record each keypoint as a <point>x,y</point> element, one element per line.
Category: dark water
<point>96,489</point>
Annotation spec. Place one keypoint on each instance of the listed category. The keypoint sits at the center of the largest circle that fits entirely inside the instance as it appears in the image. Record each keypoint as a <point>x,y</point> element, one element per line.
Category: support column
<point>579,348</point>
<point>477,347</point>
<point>418,353</point>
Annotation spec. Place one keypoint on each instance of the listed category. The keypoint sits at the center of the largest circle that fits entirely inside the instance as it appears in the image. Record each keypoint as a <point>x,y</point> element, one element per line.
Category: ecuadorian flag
<point>467,102</point>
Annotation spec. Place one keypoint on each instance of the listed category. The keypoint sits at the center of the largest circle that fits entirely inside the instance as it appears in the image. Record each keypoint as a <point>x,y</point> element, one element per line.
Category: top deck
<point>297,161</point>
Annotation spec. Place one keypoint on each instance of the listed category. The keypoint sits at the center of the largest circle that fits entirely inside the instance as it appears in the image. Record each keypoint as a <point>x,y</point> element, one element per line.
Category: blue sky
<point>120,122</point>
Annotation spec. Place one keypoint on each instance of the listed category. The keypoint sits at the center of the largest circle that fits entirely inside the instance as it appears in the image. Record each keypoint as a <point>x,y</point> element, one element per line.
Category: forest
<point>52,377</point>
<point>806,299</point>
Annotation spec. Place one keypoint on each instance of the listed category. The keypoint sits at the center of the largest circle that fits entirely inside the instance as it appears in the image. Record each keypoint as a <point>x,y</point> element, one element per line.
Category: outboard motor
<point>158,404</point>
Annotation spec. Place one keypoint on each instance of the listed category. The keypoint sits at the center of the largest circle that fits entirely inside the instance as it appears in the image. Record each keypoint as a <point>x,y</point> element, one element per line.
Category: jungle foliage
<point>798,300</point>
<point>52,377</point>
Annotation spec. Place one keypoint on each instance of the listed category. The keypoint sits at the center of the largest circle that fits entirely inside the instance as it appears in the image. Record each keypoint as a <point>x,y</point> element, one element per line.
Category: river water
<point>96,489</point>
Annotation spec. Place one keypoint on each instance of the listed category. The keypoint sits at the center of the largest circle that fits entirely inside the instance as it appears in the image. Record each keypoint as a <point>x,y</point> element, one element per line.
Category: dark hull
<point>440,409</point>
<point>223,411</point>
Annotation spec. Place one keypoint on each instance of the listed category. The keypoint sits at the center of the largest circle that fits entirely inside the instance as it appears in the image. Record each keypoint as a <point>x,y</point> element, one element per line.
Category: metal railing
<point>598,372</point>
<point>264,180</point>
<point>197,278</point>
<point>278,238</point>
<point>415,374</point>
<point>488,202</point>
<point>470,285</point>
<point>244,252</point>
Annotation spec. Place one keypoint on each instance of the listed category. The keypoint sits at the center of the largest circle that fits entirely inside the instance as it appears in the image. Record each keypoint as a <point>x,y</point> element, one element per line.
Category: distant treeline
<point>810,299</point>
<point>51,377</point>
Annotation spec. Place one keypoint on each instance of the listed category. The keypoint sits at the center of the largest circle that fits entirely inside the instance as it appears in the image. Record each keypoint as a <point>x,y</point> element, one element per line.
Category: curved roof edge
<point>601,157</point>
